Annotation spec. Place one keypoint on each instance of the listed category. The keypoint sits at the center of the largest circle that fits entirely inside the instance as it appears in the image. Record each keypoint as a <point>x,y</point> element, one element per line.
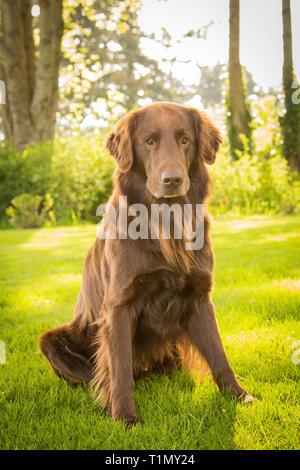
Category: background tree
<point>29,72</point>
<point>212,84</point>
<point>104,62</point>
<point>290,121</point>
<point>238,111</point>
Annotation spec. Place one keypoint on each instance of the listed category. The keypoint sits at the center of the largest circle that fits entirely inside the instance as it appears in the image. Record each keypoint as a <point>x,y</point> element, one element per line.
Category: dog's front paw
<point>124,412</point>
<point>247,398</point>
<point>129,420</point>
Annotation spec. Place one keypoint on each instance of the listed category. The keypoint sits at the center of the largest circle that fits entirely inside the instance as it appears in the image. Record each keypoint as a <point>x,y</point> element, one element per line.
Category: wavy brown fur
<point>145,305</point>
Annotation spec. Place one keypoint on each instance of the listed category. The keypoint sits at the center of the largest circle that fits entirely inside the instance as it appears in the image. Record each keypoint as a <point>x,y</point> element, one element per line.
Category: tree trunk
<point>31,80</point>
<point>239,114</point>
<point>290,123</point>
<point>287,40</point>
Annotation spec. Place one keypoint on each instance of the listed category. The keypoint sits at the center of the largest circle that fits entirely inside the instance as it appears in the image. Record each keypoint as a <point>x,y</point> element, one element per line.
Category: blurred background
<point>69,69</point>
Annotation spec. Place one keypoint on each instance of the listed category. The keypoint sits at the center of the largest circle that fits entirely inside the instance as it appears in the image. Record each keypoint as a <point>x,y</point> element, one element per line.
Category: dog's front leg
<point>119,354</point>
<point>204,334</point>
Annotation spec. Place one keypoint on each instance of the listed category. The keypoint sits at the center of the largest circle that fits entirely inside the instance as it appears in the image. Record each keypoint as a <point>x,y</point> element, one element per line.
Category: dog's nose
<point>172,177</point>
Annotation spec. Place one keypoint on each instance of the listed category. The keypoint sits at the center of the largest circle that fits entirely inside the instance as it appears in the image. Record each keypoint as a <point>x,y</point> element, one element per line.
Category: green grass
<point>258,305</point>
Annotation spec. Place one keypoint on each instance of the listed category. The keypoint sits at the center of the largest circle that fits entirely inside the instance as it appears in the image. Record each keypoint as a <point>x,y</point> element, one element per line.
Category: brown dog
<point>145,304</point>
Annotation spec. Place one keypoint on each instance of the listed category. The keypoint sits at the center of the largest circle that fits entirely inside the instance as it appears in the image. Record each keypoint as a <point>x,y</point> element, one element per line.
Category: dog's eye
<point>184,140</point>
<point>149,141</point>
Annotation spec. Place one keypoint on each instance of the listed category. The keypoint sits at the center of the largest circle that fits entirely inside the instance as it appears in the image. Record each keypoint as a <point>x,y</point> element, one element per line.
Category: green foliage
<point>75,171</point>
<point>254,184</point>
<point>28,211</point>
<point>104,69</point>
<point>234,134</point>
<point>290,123</point>
<point>81,178</point>
<point>27,172</point>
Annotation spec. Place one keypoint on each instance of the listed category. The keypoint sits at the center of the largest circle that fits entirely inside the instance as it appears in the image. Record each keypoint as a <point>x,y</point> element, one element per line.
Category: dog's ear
<point>119,142</point>
<point>208,136</point>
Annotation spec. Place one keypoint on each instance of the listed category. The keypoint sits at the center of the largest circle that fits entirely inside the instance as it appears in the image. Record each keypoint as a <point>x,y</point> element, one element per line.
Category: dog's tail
<point>66,358</point>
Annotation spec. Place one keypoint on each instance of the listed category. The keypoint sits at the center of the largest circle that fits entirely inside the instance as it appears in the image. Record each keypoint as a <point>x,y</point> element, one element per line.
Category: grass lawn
<point>257,299</point>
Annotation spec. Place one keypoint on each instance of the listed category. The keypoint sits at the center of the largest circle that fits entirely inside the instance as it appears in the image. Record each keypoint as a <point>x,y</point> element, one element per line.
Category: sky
<point>261,50</point>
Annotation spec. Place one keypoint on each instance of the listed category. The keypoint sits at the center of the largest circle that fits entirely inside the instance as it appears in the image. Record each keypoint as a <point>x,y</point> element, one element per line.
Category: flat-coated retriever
<point>145,302</point>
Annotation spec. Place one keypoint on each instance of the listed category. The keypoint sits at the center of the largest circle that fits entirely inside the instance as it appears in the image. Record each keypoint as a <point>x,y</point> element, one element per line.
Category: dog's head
<point>163,140</point>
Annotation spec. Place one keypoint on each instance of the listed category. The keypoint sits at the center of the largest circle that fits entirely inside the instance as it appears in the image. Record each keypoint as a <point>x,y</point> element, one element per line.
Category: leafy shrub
<point>254,184</point>
<point>27,172</point>
<point>28,211</point>
<point>77,172</point>
<point>81,178</point>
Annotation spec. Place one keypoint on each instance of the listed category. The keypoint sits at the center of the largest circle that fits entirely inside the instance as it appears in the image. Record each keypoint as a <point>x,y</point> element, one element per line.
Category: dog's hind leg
<point>69,350</point>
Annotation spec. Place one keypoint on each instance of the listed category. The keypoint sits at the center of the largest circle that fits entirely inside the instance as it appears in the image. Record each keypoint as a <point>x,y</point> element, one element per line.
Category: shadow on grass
<point>176,413</point>
<point>186,411</point>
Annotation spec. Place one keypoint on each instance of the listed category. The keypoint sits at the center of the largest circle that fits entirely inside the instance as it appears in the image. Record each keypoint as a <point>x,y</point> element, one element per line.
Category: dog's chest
<point>164,305</point>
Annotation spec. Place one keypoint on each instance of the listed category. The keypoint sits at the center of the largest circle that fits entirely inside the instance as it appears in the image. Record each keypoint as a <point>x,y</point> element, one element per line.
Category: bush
<point>254,184</point>
<point>27,172</point>
<point>76,171</point>
<point>81,178</point>
<point>28,211</point>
